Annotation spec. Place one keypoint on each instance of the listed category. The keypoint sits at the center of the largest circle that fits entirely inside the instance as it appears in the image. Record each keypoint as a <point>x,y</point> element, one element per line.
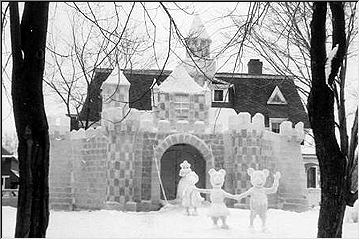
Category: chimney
<point>255,67</point>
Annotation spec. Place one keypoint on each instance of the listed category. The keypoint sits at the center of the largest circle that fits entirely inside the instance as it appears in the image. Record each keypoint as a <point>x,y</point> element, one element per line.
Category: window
<point>275,127</point>
<point>182,106</point>
<point>313,176</point>
<point>277,97</point>
<point>3,182</point>
<point>274,124</point>
<point>220,94</point>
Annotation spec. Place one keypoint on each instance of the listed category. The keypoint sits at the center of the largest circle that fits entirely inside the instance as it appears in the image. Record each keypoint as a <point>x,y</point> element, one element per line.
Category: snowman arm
<point>201,190</point>
<point>274,187</point>
<point>231,196</point>
<point>244,194</point>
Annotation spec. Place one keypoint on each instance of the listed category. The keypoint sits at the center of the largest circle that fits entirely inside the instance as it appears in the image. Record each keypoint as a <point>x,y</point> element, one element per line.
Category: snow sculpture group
<point>190,197</point>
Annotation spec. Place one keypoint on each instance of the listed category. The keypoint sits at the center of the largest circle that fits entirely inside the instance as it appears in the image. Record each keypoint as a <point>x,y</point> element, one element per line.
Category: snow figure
<point>258,194</point>
<point>218,208</point>
<point>185,170</point>
<point>191,198</point>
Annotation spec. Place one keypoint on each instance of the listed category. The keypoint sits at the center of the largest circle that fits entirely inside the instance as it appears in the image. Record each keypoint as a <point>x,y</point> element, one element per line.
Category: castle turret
<point>198,40</point>
<point>199,64</point>
<point>180,98</point>
<point>115,95</point>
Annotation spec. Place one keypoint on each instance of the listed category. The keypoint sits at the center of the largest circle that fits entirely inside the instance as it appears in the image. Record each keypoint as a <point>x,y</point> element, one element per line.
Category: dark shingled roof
<point>251,94</point>
<point>91,110</point>
<point>140,83</point>
<point>253,91</point>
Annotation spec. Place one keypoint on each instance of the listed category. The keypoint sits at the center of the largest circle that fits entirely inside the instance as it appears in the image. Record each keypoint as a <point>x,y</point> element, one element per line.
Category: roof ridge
<point>257,76</point>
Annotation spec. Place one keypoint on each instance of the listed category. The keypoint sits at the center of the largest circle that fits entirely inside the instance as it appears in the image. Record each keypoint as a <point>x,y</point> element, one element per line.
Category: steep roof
<point>141,81</point>
<point>91,110</point>
<point>117,78</point>
<point>253,91</point>
<point>180,81</point>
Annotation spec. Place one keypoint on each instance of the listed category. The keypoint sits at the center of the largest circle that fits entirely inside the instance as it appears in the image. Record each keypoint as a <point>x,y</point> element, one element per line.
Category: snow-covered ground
<point>172,223</point>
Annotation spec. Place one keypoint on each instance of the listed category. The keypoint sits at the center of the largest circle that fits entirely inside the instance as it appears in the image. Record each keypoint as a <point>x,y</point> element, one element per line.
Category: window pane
<point>182,98</point>
<point>182,106</point>
<point>218,95</point>
<point>311,174</point>
<point>275,127</point>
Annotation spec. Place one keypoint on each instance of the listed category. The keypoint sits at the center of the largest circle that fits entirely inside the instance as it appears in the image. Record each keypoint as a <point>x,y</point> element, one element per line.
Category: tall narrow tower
<point>198,62</point>
<point>198,39</point>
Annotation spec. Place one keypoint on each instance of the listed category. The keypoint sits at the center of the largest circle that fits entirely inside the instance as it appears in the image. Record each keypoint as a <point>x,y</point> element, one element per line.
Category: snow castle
<point>119,164</point>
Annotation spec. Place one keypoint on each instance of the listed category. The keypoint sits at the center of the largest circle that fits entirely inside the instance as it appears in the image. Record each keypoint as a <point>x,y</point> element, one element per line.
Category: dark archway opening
<point>170,167</point>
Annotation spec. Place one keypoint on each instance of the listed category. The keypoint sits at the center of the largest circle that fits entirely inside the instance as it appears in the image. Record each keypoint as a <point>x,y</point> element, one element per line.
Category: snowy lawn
<point>172,223</point>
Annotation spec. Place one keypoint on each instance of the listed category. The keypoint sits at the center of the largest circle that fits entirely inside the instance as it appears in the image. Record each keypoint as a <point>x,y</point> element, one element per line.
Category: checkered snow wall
<point>113,166</point>
<point>122,181</point>
<point>164,108</point>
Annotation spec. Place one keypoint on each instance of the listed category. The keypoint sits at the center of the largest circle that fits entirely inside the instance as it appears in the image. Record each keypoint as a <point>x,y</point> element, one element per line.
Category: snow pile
<point>173,223</point>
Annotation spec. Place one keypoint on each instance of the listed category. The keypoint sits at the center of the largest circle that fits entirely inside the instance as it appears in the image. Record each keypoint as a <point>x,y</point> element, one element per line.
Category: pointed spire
<point>117,77</point>
<point>197,29</point>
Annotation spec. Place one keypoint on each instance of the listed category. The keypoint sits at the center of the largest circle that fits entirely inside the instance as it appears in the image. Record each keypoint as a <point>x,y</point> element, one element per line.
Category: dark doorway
<point>170,167</point>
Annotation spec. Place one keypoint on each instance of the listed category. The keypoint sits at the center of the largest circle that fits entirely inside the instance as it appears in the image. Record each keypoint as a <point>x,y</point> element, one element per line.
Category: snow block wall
<point>253,146</point>
<point>248,148</point>
<point>60,171</point>
<point>114,166</point>
<point>287,157</point>
<point>123,165</point>
<point>89,154</point>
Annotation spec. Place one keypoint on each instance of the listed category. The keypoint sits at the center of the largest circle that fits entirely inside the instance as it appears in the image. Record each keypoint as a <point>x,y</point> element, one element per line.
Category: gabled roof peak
<point>117,77</point>
<point>277,97</point>
<point>179,81</point>
<point>197,29</point>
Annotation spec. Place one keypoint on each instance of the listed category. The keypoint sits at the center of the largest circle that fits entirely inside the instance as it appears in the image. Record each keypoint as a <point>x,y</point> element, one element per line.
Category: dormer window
<point>220,94</point>
<point>274,124</point>
<point>277,97</point>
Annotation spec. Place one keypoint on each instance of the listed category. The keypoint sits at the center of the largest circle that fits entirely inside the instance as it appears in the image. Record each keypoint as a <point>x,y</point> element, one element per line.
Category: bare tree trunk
<point>332,161</point>
<point>28,40</point>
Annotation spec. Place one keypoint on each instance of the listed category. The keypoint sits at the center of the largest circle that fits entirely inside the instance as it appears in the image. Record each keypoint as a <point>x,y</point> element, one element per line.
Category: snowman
<point>183,183</point>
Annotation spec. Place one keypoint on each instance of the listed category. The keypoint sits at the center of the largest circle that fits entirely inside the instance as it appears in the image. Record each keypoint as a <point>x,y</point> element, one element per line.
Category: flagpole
<point>158,173</point>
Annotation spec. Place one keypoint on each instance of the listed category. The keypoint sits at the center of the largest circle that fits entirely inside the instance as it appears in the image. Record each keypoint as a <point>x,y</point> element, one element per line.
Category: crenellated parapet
<point>87,134</point>
<point>256,124</point>
<point>257,147</point>
<point>293,134</point>
<point>244,121</point>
